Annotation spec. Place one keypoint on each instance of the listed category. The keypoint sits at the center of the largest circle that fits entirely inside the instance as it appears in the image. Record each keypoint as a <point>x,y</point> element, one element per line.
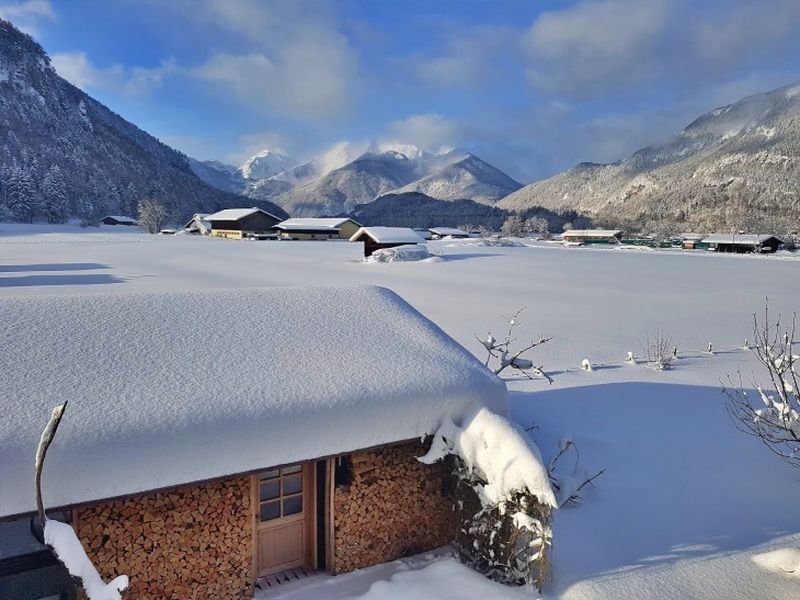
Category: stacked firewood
<point>394,506</point>
<point>193,542</point>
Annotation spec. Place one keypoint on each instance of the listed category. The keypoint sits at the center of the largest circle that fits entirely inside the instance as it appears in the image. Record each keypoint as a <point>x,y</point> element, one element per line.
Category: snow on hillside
<point>265,164</point>
<point>687,501</point>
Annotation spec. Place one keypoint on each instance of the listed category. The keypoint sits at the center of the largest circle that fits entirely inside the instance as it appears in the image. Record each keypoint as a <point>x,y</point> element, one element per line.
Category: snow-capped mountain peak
<point>265,164</point>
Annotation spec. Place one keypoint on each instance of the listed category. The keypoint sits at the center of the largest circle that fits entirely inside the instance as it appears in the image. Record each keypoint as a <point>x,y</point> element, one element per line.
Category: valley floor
<point>686,501</point>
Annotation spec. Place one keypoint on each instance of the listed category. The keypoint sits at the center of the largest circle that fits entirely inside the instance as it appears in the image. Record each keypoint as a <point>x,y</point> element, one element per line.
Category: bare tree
<point>515,226</point>
<point>152,214</point>
<point>660,350</point>
<point>568,486</point>
<point>774,416</point>
<point>505,356</point>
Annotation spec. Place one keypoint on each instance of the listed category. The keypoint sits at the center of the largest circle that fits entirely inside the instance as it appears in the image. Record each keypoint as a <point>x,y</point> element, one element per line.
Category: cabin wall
<point>393,506</point>
<point>192,542</point>
<point>348,229</point>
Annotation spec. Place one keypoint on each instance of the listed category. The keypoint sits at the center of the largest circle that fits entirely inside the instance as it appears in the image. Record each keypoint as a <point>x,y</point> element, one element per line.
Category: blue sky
<point>531,86</point>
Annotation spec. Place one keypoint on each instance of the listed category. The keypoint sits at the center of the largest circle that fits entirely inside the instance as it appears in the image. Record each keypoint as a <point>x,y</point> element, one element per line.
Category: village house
<point>591,236</point>
<point>447,232</point>
<point>240,223</point>
<point>376,238</point>
<point>317,228</point>
<point>198,225</point>
<point>742,243</point>
<point>118,220</point>
<point>298,453</point>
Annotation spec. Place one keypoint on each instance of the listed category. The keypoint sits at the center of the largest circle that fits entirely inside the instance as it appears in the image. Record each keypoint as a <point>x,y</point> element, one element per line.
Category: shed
<point>240,223</point>
<point>742,243</point>
<point>317,228</point>
<point>302,439</point>
<point>592,236</point>
<point>118,220</point>
<point>448,232</point>
<point>198,225</point>
<point>375,238</point>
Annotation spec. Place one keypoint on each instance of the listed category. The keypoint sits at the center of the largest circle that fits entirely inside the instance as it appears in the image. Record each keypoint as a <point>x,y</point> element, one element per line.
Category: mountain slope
<point>470,178</point>
<point>225,177</point>
<point>736,167</point>
<point>265,164</point>
<point>64,154</point>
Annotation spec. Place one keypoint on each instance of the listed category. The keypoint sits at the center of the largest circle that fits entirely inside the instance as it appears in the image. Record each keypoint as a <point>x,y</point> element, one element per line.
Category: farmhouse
<point>317,228</point>
<point>592,236</point>
<point>375,238</point>
<point>118,220</point>
<point>198,225</point>
<point>448,232</point>
<point>742,243</point>
<point>239,223</point>
<point>298,452</point>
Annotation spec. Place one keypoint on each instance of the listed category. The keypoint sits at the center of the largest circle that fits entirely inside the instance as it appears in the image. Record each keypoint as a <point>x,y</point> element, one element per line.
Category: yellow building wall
<point>228,234</point>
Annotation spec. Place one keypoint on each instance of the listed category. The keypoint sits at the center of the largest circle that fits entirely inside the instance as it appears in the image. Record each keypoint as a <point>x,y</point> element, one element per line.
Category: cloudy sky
<point>531,86</point>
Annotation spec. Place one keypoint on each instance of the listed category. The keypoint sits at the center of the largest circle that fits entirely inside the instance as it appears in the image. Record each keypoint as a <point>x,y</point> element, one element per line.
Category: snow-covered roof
<point>738,238</point>
<point>234,214</point>
<point>389,235</point>
<point>322,223</point>
<point>445,231</point>
<point>121,218</point>
<point>199,218</point>
<point>592,233</point>
<point>289,374</point>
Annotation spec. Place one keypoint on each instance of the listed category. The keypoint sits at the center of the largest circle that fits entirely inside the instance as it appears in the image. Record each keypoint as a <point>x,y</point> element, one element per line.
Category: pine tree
<point>54,191</point>
<point>21,192</point>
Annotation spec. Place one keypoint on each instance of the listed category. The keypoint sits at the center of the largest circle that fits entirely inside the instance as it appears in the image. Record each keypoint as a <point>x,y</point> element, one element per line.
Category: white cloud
<point>430,131</point>
<point>27,15</point>
<point>78,69</point>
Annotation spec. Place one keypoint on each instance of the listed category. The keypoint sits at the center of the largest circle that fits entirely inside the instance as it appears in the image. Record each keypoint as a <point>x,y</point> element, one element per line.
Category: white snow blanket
<point>61,537</point>
<point>172,388</point>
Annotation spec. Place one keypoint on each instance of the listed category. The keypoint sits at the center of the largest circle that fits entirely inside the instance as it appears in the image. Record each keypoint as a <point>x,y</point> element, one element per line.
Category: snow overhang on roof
<point>234,214</point>
<point>321,223</point>
<point>388,235</point>
<point>289,374</point>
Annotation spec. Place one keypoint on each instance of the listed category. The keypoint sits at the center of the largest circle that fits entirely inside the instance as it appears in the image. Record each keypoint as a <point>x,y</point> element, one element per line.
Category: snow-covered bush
<point>504,355</point>
<point>504,499</point>
<point>660,350</point>
<point>568,483</point>
<point>774,415</point>
<point>408,253</point>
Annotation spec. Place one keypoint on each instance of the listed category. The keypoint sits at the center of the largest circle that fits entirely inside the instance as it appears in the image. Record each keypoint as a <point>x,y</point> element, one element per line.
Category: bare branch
<point>48,435</point>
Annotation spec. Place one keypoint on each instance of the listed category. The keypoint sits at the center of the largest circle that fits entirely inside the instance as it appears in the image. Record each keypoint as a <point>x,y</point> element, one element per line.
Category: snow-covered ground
<point>687,502</point>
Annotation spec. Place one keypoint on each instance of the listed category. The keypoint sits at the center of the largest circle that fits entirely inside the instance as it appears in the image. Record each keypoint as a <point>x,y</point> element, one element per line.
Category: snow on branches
<point>568,484</point>
<point>774,416</point>
<point>505,355</point>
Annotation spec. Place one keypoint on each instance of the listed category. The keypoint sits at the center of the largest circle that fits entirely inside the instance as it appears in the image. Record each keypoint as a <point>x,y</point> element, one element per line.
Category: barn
<point>298,454</point>
<point>317,228</point>
<point>592,236</point>
<point>198,225</point>
<point>375,238</point>
<point>241,223</point>
<point>741,243</point>
<point>118,220</point>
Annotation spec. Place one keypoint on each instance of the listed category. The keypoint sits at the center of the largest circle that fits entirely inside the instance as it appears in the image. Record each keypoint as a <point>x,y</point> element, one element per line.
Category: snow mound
<point>61,537</point>
<point>499,451</point>
<point>783,560</point>
<point>399,254</point>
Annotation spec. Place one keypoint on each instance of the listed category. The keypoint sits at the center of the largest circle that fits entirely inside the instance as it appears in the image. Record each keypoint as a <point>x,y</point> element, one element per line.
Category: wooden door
<point>284,519</point>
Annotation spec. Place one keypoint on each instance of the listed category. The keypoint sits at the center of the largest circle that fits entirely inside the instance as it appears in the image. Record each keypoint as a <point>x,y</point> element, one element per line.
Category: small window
<point>280,492</point>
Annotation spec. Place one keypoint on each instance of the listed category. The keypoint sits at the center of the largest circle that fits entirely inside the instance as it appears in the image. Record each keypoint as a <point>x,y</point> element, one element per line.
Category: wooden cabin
<point>298,454</point>
<point>198,225</point>
<point>241,223</point>
<point>118,220</point>
<point>375,238</point>
<point>448,232</point>
<point>742,243</point>
<point>317,228</point>
<point>592,236</point>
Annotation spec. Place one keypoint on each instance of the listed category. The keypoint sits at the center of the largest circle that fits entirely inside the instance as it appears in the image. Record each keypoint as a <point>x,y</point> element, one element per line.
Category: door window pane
<point>270,489</point>
<point>270,510</point>
<point>293,484</point>
<point>292,506</point>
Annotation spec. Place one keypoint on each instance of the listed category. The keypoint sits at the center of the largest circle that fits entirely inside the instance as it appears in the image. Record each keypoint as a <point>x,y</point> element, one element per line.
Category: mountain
<point>469,177</point>
<point>225,177</point>
<point>64,154</point>
<point>734,168</point>
<point>265,164</point>
<point>357,182</point>
<point>412,209</point>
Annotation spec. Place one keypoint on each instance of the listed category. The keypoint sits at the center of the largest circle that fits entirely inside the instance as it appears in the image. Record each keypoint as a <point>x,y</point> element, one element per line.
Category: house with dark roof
<point>241,223</point>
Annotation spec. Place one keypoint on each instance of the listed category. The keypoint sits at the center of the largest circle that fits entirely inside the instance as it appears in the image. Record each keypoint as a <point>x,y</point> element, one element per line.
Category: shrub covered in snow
<point>503,496</point>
